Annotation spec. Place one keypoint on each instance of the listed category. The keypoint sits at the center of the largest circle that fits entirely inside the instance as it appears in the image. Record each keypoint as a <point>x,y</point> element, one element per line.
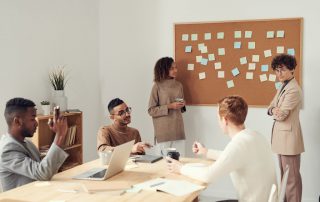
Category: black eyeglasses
<point>123,112</point>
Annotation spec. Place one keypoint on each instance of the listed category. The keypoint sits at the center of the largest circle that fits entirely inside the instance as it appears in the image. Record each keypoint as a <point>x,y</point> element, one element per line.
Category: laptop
<point>117,164</point>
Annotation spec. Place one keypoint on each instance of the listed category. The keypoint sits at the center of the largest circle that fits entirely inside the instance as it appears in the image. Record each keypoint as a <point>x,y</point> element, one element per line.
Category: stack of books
<point>71,136</point>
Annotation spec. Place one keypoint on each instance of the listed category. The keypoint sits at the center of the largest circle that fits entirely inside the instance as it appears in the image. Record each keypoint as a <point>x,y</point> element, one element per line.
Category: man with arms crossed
<point>247,157</point>
<point>20,161</point>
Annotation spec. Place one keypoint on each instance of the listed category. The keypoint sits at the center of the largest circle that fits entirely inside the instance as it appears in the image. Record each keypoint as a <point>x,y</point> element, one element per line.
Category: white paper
<point>202,75</point>
<point>251,45</point>
<point>220,74</point>
<point>199,58</point>
<point>252,66</point>
<point>255,58</point>
<point>200,46</point>
<point>220,35</point>
<point>248,34</point>
<point>267,53</point>
<point>243,60</point>
<point>270,34</point>
<point>263,77</point>
<point>217,65</point>
<point>194,37</point>
<point>204,49</point>
<point>249,75</point>
<point>230,84</point>
<point>179,187</point>
<point>272,77</point>
<point>237,34</point>
<point>221,51</point>
<point>207,36</point>
<point>190,67</point>
<point>280,49</point>
<point>211,57</point>
<point>185,37</point>
<point>280,33</point>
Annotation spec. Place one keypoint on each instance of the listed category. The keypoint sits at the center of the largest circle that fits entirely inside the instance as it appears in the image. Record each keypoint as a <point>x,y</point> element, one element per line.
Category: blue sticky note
<point>188,49</point>
<point>278,85</point>
<point>290,51</point>
<point>264,68</point>
<point>204,61</point>
<point>235,71</point>
<point>237,45</point>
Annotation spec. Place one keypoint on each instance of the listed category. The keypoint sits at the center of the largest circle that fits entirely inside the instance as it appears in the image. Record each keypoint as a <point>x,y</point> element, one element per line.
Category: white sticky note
<point>221,51</point>
<point>235,71</point>
<point>199,58</point>
<point>217,65</point>
<point>263,77</point>
<point>249,75</point>
<point>237,34</point>
<point>220,74</point>
<point>290,51</point>
<point>188,49</point>
<point>280,49</point>
<point>247,34</point>
<point>251,45</point>
<point>200,46</point>
<point>202,75</point>
<point>204,61</point>
<point>207,36</point>
<point>204,49</point>
<point>220,35</point>
<point>267,53</point>
<point>237,45</point>
<point>243,60</point>
<point>255,58</point>
<point>230,84</point>
<point>211,57</point>
<point>194,37</point>
<point>185,37</point>
<point>252,66</point>
<point>270,34</point>
<point>272,77</point>
<point>190,67</point>
<point>280,33</point>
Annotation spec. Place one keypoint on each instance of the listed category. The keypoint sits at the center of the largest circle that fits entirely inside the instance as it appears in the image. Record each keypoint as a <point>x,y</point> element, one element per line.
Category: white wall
<point>134,34</point>
<point>38,35</point>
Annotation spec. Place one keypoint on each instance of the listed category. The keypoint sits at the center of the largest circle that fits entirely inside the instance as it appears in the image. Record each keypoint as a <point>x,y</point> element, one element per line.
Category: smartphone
<point>56,112</point>
<point>179,100</point>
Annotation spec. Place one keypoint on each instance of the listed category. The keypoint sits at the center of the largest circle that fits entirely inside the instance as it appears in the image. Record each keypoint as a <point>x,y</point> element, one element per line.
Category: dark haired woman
<point>166,105</point>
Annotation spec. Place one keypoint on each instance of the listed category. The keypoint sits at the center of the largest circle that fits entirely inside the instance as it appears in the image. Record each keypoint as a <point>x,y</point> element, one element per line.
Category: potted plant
<point>45,107</point>
<point>58,81</point>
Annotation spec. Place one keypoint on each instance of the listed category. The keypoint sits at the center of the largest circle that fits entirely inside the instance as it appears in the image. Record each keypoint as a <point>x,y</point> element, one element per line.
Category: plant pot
<point>46,109</point>
<point>59,99</point>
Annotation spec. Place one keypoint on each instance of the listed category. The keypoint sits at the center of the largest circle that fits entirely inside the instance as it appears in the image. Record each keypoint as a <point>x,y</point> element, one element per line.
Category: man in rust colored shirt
<point>119,132</point>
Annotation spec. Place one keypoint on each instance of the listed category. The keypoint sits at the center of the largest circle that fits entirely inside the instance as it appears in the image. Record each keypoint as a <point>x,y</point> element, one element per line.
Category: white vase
<point>46,109</point>
<point>59,99</point>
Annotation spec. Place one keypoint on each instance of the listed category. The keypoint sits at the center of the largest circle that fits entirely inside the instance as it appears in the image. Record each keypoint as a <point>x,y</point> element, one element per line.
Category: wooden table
<point>101,190</point>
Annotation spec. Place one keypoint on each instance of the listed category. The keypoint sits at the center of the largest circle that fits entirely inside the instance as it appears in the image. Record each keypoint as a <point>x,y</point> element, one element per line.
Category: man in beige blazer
<point>287,140</point>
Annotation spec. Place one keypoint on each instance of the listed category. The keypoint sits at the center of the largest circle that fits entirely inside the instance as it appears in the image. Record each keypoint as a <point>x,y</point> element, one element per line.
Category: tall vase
<point>59,99</point>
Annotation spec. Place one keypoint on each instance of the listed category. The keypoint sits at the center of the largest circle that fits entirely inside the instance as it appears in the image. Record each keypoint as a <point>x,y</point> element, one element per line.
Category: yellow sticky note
<point>243,60</point>
<point>255,58</point>
<point>220,35</point>
<point>270,34</point>
<point>249,75</point>
<point>251,45</point>
<point>207,36</point>
<point>220,74</point>
<point>280,49</point>
<point>272,77</point>
<point>194,37</point>
<point>267,53</point>
<point>211,57</point>
<point>199,58</point>
<point>280,33</point>
<point>202,75</point>
<point>263,77</point>
<point>185,37</point>
<point>217,65</point>
<point>237,34</point>
<point>221,51</point>
<point>247,34</point>
<point>190,67</point>
<point>252,66</point>
<point>230,84</point>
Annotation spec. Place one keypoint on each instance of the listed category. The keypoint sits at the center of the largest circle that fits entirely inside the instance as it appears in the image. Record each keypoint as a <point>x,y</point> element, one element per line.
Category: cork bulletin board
<point>216,59</point>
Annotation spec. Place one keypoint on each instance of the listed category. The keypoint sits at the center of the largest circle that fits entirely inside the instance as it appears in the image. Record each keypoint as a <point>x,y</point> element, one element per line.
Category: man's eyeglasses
<point>123,112</point>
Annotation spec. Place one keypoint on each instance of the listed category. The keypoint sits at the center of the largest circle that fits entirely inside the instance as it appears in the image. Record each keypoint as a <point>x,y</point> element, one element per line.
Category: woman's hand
<point>174,166</point>
<point>199,149</point>
<point>176,105</point>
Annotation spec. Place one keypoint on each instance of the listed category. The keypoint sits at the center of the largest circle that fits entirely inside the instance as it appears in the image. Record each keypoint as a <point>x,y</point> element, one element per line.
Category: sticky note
<point>251,45</point>
<point>255,58</point>
<point>280,33</point>
<point>235,71</point>
<point>264,68</point>
<point>185,37</point>
<point>237,45</point>
<point>207,36</point>
<point>247,34</point>
<point>272,77</point>
<point>243,60</point>
<point>230,84</point>
<point>217,65</point>
<point>202,75</point>
<point>237,34</point>
<point>280,49</point>
<point>263,77</point>
<point>270,34</point>
<point>200,46</point>
<point>190,67</point>
<point>204,49</point>
<point>278,85</point>
<point>194,37</point>
<point>220,74</point>
<point>252,66</point>
<point>267,53</point>
<point>290,51</point>
<point>249,75</point>
<point>211,57</point>
<point>221,51</point>
<point>220,35</point>
<point>199,58</point>
<point>188,49</point>
<point>204,61</point>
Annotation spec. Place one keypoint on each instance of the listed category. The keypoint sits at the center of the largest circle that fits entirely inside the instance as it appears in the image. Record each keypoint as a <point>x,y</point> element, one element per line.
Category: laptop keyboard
<point>99,174</point>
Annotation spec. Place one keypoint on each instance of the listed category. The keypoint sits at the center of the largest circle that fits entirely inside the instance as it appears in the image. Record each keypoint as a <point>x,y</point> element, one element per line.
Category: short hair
<point>161,69</point>
<point>16,106</point>
<point>113,103</point>
<point>233,108</point>
<point>284,59</point>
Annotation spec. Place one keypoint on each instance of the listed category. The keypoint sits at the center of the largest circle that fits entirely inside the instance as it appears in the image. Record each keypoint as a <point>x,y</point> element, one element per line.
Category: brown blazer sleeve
<point>290,102</point>
<point>103,140</point>
<point>154,109</point>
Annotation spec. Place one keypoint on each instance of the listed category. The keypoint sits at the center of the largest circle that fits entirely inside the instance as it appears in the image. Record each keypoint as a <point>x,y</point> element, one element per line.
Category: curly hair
<point>284,59</point>
<point>234,108</point>
<point>161,69</point>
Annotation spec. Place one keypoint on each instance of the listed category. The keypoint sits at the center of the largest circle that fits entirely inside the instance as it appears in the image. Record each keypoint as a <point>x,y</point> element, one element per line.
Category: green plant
<point>58,78</point>
<point>45,102</point>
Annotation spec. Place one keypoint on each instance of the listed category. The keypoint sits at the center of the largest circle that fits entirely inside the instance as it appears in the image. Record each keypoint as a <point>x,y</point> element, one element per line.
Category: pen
<point>157,184</point>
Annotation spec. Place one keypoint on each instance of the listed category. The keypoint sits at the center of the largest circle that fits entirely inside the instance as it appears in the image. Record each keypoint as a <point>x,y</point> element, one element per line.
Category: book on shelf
<point>71,136</point>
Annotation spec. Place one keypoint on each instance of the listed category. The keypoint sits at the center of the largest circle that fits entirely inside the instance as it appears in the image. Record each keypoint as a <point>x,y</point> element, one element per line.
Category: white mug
<point>105,157</point>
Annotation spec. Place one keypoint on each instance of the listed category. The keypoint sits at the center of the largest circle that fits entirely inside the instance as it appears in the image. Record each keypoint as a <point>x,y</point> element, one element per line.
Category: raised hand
<point>199,149</point>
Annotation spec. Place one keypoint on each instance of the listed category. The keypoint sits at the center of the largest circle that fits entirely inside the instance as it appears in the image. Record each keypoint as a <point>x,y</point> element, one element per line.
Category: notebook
<point>147,158</point>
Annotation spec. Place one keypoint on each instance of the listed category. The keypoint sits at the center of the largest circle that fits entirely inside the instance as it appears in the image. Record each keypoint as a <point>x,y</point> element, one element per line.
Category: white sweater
<point>248,159</point>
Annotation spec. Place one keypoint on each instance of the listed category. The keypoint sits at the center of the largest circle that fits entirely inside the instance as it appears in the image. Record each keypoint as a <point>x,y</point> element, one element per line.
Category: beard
<point>26,133</point>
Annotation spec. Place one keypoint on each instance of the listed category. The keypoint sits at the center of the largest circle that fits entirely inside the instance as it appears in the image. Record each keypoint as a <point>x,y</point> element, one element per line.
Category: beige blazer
<point>286,132</point>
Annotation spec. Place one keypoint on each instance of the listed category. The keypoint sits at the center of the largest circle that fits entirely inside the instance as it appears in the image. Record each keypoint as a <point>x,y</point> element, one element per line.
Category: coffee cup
<point>105,157</point>
<point>174,155</point>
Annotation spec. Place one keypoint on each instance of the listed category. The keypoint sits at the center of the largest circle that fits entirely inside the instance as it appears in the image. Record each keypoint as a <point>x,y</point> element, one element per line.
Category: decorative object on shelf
<point>58,81</point>
<point>45,107</point>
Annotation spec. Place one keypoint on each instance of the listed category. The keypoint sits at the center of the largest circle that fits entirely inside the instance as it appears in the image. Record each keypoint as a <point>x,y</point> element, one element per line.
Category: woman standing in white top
<point>247,157</point>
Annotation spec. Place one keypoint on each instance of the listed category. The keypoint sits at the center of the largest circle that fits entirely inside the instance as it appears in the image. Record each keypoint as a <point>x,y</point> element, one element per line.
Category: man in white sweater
<point>247,157</point>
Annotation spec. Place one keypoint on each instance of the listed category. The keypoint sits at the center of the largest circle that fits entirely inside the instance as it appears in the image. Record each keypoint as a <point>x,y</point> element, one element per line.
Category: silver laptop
<point>117,163</point>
